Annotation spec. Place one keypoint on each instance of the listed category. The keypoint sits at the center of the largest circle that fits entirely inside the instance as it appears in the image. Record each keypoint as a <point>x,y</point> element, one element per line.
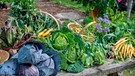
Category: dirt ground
<point>48,6</point>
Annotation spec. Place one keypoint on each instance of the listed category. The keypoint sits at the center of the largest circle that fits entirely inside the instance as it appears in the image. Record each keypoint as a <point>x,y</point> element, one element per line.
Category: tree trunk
<point>129,7</point>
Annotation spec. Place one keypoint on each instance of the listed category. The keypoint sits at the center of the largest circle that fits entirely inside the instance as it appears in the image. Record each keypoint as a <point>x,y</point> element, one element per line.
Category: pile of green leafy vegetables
<point>75,54</point>
<point>25,14</point>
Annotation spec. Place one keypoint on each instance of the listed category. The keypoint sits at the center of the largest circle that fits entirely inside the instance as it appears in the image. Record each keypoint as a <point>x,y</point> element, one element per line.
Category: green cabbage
<point>63,39</point>
<point>70,47</point>
<point>61,42</point>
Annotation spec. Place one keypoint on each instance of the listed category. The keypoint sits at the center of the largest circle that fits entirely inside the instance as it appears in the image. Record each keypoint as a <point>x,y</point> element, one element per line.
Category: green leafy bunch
<point>8,36</point>
<point>94,54</point>
<point>70,47</point>
<point>25,14</point>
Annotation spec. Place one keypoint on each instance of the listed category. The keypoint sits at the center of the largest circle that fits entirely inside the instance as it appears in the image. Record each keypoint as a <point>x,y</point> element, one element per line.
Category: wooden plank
<point>103,70</point>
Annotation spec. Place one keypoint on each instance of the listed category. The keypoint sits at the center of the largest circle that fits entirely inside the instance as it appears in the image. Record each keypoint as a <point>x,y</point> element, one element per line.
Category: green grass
<point>72,4</point>
<point>129,72</point>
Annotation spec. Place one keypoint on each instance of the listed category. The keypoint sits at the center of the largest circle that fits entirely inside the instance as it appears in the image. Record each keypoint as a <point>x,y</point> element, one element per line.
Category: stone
<point>67,16</point>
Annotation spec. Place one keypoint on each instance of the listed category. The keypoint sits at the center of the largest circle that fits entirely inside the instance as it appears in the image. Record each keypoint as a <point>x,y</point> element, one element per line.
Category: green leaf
<point>71,55</point>
<point>63,61</point>
<point>75,68</point>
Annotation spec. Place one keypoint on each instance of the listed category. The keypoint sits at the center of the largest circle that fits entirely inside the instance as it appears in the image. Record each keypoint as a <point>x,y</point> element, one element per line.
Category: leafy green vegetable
<point>8,36</point>
<point>71,55</point>
<point>60,42</point>
<point>87,60</point>
<point>63,61</point>
<point>25,14</point>
<point>75,68</point>
<point>63,39</point>
<point>69,45</point>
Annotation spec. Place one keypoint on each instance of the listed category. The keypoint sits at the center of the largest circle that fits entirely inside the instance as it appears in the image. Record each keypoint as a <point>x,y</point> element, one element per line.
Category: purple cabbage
<point>48,62</point>
<point>24,54</point>
<point>30,54</point>
<point>27,70</point>
<point>38,44</point>
<point>56,60</point>
<point>45,71</point>
<point>9,67</point>
<point>31,61</point>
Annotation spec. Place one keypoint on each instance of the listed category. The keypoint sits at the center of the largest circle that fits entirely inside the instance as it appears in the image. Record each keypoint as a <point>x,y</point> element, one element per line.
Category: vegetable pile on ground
<point>35,45</point>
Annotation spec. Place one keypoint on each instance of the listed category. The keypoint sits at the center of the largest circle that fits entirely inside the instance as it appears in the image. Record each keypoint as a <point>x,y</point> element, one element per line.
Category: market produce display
<point>33,44</point>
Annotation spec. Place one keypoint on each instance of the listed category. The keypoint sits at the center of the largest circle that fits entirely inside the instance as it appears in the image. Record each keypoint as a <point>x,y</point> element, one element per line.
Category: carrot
<point>119,41</point>
<point>42,32</point>
<point>47,32</point>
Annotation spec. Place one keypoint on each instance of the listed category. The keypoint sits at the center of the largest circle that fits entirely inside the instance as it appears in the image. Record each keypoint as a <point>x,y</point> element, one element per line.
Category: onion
<point>27,70</point>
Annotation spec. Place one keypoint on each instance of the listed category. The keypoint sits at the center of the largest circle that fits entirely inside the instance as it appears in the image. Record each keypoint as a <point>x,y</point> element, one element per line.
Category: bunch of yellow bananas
<point>122,50</point>
<point>45,32</point>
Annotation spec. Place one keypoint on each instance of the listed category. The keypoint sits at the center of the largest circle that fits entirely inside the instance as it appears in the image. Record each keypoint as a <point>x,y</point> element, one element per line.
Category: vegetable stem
<point>24,41</point>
